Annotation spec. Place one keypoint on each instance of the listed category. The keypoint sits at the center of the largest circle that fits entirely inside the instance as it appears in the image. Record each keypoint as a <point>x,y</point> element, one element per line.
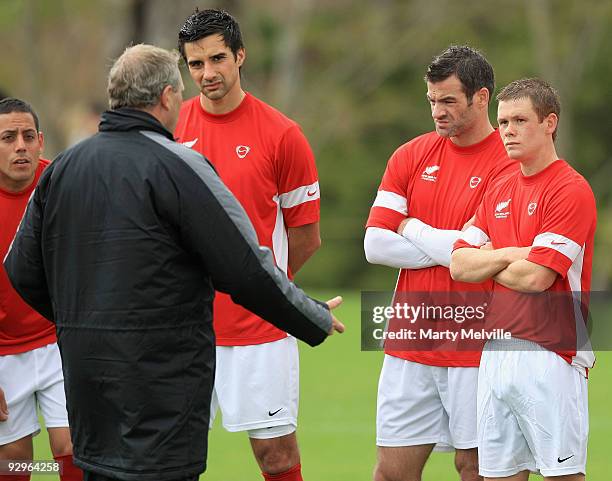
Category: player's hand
<point>3,407</point>
<point>403,223</point>
<point>520,253</point>
<point>337,326</point>
<point>469,223</point>
<point>487,246</point>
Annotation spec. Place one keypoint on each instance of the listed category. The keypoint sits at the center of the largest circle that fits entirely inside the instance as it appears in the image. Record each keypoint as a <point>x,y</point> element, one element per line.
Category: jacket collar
<point>126,119</point>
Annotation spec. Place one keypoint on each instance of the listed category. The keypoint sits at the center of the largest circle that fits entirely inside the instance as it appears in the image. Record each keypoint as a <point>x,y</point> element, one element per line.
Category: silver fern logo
<point>500,209</point>
<point>428,173</point>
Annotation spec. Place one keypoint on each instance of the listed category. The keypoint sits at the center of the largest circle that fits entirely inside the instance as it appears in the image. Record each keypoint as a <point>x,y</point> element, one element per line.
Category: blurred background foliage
<point>349,71</point>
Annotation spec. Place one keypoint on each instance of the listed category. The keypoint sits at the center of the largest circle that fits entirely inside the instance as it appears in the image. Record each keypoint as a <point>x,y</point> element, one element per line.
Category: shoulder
<point>423,141</point>
<point>273,116</point>
<point>571,185</point>
<point>174,149</point>
<point>416,147</point>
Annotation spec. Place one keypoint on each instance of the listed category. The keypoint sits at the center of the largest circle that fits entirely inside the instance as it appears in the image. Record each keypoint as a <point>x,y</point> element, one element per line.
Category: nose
<point>209,71</point>
<point>509,130</point>
<point>437,111</point>
<point>20,145</point>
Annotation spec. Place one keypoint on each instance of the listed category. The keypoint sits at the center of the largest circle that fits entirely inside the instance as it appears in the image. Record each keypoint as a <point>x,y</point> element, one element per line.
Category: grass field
<point>337,413</point>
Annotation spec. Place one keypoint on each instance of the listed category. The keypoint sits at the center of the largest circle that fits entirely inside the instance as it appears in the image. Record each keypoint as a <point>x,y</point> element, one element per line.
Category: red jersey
<point>265,160</point>
<point>22,329</point>
<point>554,212</point>
<point>441,184</point>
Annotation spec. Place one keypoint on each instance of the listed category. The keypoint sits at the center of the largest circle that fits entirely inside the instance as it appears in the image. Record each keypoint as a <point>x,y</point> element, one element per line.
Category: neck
<point>477,133</point>
<point>536,164</point>
<point>225,104</point>
<point>161,115</point>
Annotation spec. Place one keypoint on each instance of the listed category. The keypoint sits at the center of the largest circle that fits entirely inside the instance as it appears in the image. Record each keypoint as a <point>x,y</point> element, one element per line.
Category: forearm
<point>525,276</point>
<point>388,248</point>
<point>303,241</point>
<point>436,243</point>
<point>477,265</point>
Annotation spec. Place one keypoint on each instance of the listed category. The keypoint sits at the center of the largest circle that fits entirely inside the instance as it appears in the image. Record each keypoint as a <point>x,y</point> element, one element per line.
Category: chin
<point>443,132</point>
<point>514,155</point>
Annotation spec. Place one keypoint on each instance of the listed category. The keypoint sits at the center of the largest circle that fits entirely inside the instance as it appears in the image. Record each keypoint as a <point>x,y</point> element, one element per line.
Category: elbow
<point>370,256</point>
<point>316,244</point>
<point>313,246</point>
<point>369,249</point>
<point>455,268</point>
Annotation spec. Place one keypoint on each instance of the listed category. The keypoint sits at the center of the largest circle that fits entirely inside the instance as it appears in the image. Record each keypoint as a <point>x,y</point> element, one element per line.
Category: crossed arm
<point>507,266</point>
<point>415,245</point>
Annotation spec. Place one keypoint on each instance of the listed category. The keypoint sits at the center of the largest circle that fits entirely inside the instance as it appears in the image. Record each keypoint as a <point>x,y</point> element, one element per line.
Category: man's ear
<point>482,97</point>
<point>240,56</point>
<point>551,121</point>
<point>164,98</point>
<point>41,141</point>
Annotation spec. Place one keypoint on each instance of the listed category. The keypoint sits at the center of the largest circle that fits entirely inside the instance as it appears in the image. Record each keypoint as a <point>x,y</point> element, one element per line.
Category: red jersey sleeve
<point>390,207</point>
<point>298,182</point>
<point>569,217</point>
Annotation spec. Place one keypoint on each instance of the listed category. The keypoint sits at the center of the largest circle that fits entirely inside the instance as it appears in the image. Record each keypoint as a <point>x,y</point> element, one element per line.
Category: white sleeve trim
<point>436,243</point>
<point>388,248</point>
<point>392,201</point>
<point>305,193</point>
<point>561,244</point>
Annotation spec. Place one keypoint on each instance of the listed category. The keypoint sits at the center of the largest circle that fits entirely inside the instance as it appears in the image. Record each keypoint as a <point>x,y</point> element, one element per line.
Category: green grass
<point>337,417</point>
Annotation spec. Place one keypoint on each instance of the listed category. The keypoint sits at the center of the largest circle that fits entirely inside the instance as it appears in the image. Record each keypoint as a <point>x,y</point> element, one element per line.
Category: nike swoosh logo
<point>310,194</point>
<point>270,413</point>
<point>190,143</point>
<point>559,460</point>
<point>558,243</point>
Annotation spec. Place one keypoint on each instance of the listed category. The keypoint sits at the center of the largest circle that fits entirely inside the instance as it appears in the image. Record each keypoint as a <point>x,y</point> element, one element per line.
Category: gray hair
<point>140,74</point>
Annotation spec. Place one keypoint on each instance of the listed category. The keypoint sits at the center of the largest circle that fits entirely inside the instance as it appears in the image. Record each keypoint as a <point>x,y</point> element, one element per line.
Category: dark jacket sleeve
<point>215,228</point>
<point>23,263</point>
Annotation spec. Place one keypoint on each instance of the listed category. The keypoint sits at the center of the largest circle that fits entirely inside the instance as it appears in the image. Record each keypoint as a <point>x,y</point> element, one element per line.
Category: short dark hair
<point>544,98</point>
<point>11,104</point>
<point>208,22</point>
<point>468,64</point>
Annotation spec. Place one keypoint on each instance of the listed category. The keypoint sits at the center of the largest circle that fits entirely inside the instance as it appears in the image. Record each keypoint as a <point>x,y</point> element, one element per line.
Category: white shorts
<point>31,378</point>
<point>257,388</point>
<point>419,404</point>
<point>532,412</point>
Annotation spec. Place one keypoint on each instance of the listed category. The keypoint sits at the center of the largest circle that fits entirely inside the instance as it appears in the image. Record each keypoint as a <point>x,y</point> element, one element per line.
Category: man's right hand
<point>336,324</point>
<point>3,407</point>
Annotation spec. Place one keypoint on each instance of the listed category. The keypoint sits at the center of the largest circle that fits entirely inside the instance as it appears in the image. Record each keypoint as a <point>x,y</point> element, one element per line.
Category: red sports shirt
<point>21,328</point>
<point>441,184</point>
<point>554,211</point>
<point>265,160</point>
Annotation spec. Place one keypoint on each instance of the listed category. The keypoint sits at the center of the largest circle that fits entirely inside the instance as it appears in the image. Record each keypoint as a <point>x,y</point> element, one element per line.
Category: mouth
<point>21,162</point>
<point>212,86</point>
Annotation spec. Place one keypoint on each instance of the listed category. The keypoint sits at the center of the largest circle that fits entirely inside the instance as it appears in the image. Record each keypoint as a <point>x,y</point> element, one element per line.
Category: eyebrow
<point>14,131</point>
<point>445,97</point>
<point>218,54</point>
<point>511,116</point>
